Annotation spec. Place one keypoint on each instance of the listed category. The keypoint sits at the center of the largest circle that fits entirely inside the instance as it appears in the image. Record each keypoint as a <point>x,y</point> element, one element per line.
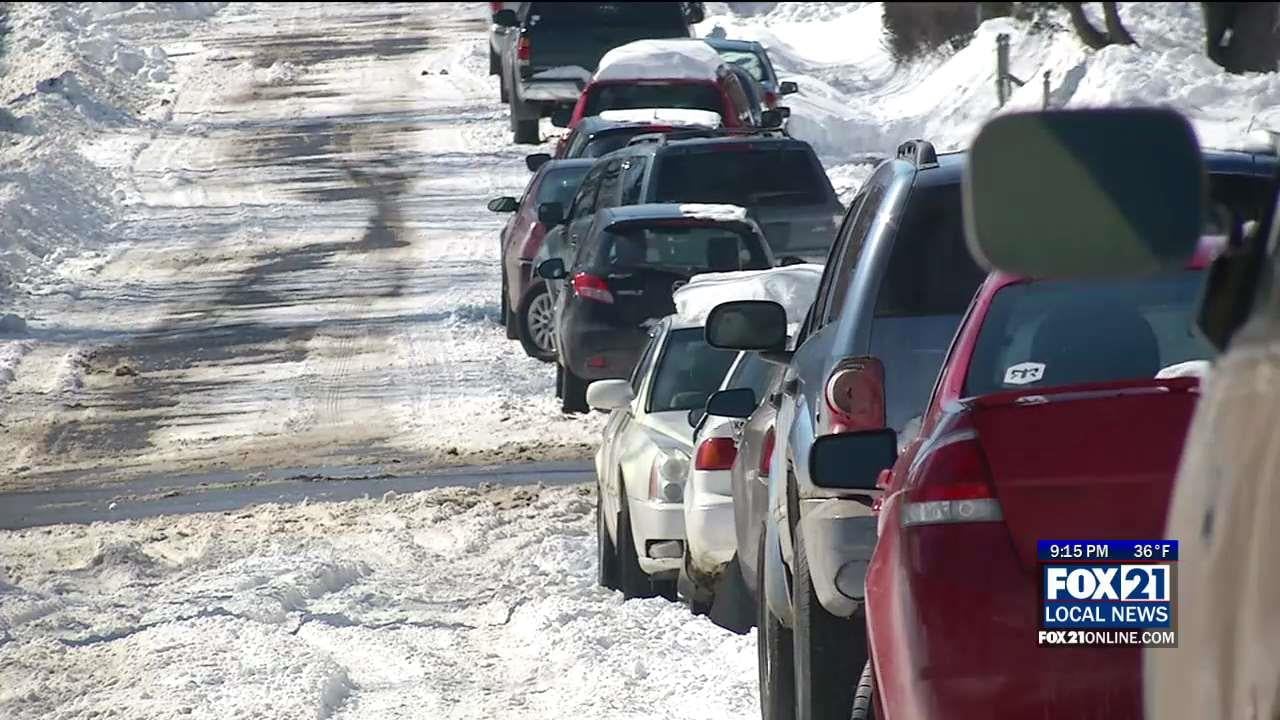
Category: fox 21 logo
<point>1128,583</point>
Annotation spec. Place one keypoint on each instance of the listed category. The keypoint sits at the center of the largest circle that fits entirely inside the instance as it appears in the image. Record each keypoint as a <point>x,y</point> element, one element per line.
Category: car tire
<point>525,131</point>
<point>559,380</point>
<point>508,315</point>
<point>864,696</point>
<point>535,323</point>
<point>774,659</point>
<point>825,647</point>
<point>632,579</point>
<point>573,395</point>
<point>495,62</point>
<point>606,554</point>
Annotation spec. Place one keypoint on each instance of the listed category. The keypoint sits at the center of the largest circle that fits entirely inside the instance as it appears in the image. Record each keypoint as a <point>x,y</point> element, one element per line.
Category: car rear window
<point>742,175</point>
<point>688,371</point>
<point>560,184</point>
<point>683,248</point>
<point>606,142</point>
<point>1046,333</point>
<point>638,95</point>
<point>580,15</point>
<point>746,60</point>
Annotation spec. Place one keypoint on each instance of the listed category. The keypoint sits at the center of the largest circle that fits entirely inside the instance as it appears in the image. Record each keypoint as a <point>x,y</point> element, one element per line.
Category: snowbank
<point>660,60</point>
<point>793,286</point>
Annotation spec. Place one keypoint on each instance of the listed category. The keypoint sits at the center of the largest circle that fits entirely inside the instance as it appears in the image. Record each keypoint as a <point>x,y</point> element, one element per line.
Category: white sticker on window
<point>1024,373</point>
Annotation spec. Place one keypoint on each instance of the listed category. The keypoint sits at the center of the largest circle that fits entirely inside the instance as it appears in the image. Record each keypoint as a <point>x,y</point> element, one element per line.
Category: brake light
<point>766,453</point>
<point>854,395</point>
<point>495,7</point>
<point>715,453</point>
<point>770,100</point>
<point>592,287</point>
<point>950,482</point>
<point>524,49</point>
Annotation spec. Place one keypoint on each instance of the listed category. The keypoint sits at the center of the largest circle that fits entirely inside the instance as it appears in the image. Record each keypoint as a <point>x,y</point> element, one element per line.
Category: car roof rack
<point>664,137</point>
<point>919,153</point>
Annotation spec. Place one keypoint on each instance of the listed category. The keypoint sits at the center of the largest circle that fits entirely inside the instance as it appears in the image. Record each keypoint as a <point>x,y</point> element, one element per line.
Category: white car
<point>710,535</point>
<point>643,460</point>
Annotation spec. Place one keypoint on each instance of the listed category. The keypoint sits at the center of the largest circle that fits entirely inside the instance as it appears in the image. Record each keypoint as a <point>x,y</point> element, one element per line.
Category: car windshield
<point>571,16</point>
<point>685,248</point>
<point>650,94</point>
<point>688,371</point>
<point>746,60</point>
<point>742,174</point>
<point>1046,333</point>
<point>560,183</point>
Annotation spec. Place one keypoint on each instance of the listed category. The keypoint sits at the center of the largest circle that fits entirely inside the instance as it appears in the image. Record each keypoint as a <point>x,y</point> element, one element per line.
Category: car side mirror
<point>788,87</point>
<point>786,260</point>
<point>773,118</point>
<point>550,214</point>
<point>696,416</point>
<point>504,204</point>
<point>759,325</point>
<point>1110,192</point>
<point>735,403</point>
<point>506,18</point>
<point>608,395</point>
<point>552,269</point>
<point>536,160</point>
<point>852,461</point>
<point>561,116</point>
<point>695,13</point>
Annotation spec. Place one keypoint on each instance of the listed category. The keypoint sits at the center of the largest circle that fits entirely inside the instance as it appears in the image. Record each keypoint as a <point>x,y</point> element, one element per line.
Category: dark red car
<point>525,306</point>
<point>1060,412</point>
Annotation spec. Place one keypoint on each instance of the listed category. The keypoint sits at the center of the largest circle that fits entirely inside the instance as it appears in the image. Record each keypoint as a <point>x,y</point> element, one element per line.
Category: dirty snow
<point>443,604</point>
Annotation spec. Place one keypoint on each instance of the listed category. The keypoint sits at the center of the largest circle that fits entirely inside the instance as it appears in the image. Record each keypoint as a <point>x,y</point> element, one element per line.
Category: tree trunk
<point>1116,31</point>
<point>1089,34</point>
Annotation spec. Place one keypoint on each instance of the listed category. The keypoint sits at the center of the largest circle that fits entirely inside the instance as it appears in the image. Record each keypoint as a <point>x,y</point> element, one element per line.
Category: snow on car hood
<point>660,60</point>
<point>673,116</point>
<point>793,287</point>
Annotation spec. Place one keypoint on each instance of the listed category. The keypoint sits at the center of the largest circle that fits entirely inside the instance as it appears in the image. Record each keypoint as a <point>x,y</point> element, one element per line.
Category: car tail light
<point>766,453</point>
<point>854,395</point>
<point>524,49</point>
<point>495,7</point>
<point>950,482</point>
<point>770,100</point>
<point>592,287</point>
<point>715,453</point>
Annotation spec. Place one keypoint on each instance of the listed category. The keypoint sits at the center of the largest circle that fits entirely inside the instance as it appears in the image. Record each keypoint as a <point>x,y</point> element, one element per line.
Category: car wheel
<point>773,652</point>
<point>632,580</point>
<point>864,696</point>
<point>573,395</point>
<point>526,131</point>
<point>825,647</point>
<point>559,380</point>
<point>606,555</point>
<point>536,322</point>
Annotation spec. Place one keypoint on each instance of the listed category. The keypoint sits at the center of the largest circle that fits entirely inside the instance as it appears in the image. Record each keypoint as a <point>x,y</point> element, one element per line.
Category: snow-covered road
<point>454,603</point>
<point>304,272</point>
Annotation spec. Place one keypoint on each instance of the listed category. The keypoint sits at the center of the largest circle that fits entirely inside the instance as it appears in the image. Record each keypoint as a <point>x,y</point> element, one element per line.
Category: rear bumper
<point>601,352</point>
<point>839,537</point>
<point>709,527</point>
<point>657,522</point>
<point>557,86</point>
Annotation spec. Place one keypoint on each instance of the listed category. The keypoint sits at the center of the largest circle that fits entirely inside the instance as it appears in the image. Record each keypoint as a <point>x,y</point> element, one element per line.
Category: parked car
<point>643,458</point>
<point>669,74</point>
<point>779,180</point>
<point>496,35</point>
<point>752,57</point>
<point>897,281</point>
<point>550,49</point>
<point>1222,498</point>
<point>612,129</point>
<point>623,275</point>
<point>525,306</point>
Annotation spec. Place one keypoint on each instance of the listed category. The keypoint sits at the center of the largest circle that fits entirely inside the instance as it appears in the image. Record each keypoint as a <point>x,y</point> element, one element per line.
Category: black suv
<point>778,179</point>
<point>622,277</point>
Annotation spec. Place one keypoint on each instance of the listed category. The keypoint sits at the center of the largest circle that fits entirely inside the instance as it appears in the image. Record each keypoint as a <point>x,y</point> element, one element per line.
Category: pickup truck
<point>550,50</point>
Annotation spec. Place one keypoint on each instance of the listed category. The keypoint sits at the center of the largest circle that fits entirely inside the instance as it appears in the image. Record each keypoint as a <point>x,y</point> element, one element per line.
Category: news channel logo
<point>1104,593</point>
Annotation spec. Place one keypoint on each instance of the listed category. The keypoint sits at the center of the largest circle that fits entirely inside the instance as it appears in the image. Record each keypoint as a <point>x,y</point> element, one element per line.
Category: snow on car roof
<point>709,211</point>
<point>673,116</point>
<point>792,286</point>
<point>660,60</point>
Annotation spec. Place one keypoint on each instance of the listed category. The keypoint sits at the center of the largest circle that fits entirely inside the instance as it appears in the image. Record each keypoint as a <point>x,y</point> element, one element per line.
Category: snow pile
<point>854,100</point>
<point>792,286</point>
<point>455,603</point>
<point>11,353</point>
<point>660,60</point>
<point>673,116</point>
<point>712,211</point>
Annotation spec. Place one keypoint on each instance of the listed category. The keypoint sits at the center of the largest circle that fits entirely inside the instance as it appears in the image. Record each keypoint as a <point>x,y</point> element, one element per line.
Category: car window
<point>632,96</point>
<point>742,174</point>
<point>610,185</point>
<point>688,371</point>
<point>633,179</point>
<point>746,60</point>
<point>577,16</point>
<point>560,184</point>
<point>1047,333</point>
<point>754,373</point>
<point>642,366</point>
<point>584,203</point>
<point>683,248</point>
<point>851,250</point>
<point>605,142</point>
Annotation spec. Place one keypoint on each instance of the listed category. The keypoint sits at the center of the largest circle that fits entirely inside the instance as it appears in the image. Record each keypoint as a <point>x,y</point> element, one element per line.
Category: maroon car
<point>526,307</point>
